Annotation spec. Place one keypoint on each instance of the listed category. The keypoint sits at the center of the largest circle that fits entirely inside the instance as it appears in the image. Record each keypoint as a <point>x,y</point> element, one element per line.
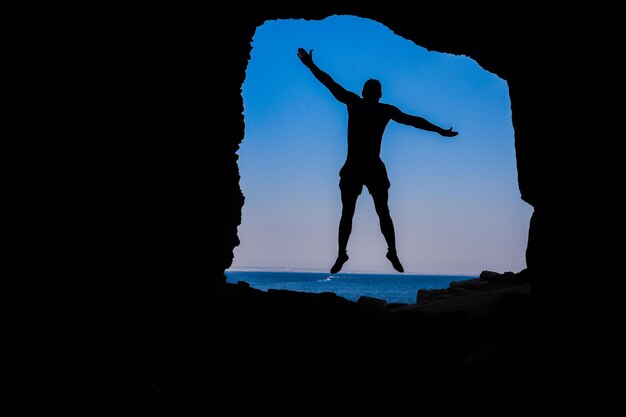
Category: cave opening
<point>455,203</point>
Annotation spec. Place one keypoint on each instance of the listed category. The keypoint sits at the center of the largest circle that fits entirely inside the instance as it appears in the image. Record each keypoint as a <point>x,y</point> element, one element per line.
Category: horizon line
<point>347,271</point>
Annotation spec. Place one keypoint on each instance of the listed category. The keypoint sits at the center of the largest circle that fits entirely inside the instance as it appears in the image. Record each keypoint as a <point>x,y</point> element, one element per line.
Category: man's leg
<point>348,201</point>
<point>386,226</point>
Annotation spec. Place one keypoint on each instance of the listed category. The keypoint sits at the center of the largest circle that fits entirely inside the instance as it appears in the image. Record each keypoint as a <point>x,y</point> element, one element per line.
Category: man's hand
<point>448,133</point>
<point>305,57</point>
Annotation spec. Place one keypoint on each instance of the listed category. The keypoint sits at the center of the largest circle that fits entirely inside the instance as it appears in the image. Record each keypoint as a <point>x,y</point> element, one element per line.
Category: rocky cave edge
<point>193,324</point>
<point>528,64</point>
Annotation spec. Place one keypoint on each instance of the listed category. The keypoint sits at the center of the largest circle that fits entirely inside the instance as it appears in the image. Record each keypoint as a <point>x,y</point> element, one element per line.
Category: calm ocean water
<point>394,288</point>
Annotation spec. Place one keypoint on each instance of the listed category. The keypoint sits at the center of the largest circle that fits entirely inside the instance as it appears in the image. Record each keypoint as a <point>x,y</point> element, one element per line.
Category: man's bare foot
<point>393,257</point>
<point>341,259</point>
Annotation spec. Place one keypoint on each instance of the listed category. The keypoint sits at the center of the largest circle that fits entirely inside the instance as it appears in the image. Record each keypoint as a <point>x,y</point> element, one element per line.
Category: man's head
<point>372,90</point>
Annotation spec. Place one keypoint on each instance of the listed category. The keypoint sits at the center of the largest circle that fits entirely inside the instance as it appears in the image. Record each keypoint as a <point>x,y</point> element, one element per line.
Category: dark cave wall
<point>195,195</point>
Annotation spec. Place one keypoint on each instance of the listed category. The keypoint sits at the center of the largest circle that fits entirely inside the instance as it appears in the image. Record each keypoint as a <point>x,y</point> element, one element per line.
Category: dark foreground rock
<point>256,346</point>
<point>371,303</point>
<point>474,296</point>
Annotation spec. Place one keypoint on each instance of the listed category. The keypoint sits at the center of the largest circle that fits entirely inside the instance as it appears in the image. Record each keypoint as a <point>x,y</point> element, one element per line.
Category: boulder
<point>471,284</point>
<point>489,276</point>
<point>504,278</point>
<point>371,303</point>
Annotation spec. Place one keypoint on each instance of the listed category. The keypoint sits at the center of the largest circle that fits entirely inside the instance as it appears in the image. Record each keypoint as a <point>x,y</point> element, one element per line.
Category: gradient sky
<point>455,202</point>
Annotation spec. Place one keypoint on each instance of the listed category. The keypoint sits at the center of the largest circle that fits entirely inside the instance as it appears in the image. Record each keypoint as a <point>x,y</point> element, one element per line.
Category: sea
<point>393,288</point>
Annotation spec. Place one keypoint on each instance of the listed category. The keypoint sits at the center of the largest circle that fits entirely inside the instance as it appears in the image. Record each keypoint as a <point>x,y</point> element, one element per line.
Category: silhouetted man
<point>367,119</point>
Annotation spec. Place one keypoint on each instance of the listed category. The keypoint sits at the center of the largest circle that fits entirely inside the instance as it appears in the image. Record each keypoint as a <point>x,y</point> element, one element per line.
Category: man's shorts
<point>373,175</point>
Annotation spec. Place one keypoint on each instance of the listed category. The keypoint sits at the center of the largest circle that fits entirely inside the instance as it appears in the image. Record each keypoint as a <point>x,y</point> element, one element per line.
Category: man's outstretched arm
<point>420,123</point>
<point>338,91</point>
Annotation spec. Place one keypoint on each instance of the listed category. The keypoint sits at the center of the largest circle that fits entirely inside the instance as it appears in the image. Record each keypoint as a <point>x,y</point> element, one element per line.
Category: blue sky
<point>455,202</point>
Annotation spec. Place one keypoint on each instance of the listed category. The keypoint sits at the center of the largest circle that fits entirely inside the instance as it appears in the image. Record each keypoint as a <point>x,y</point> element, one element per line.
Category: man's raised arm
<point>420,123</point>
<point>338,91</point>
